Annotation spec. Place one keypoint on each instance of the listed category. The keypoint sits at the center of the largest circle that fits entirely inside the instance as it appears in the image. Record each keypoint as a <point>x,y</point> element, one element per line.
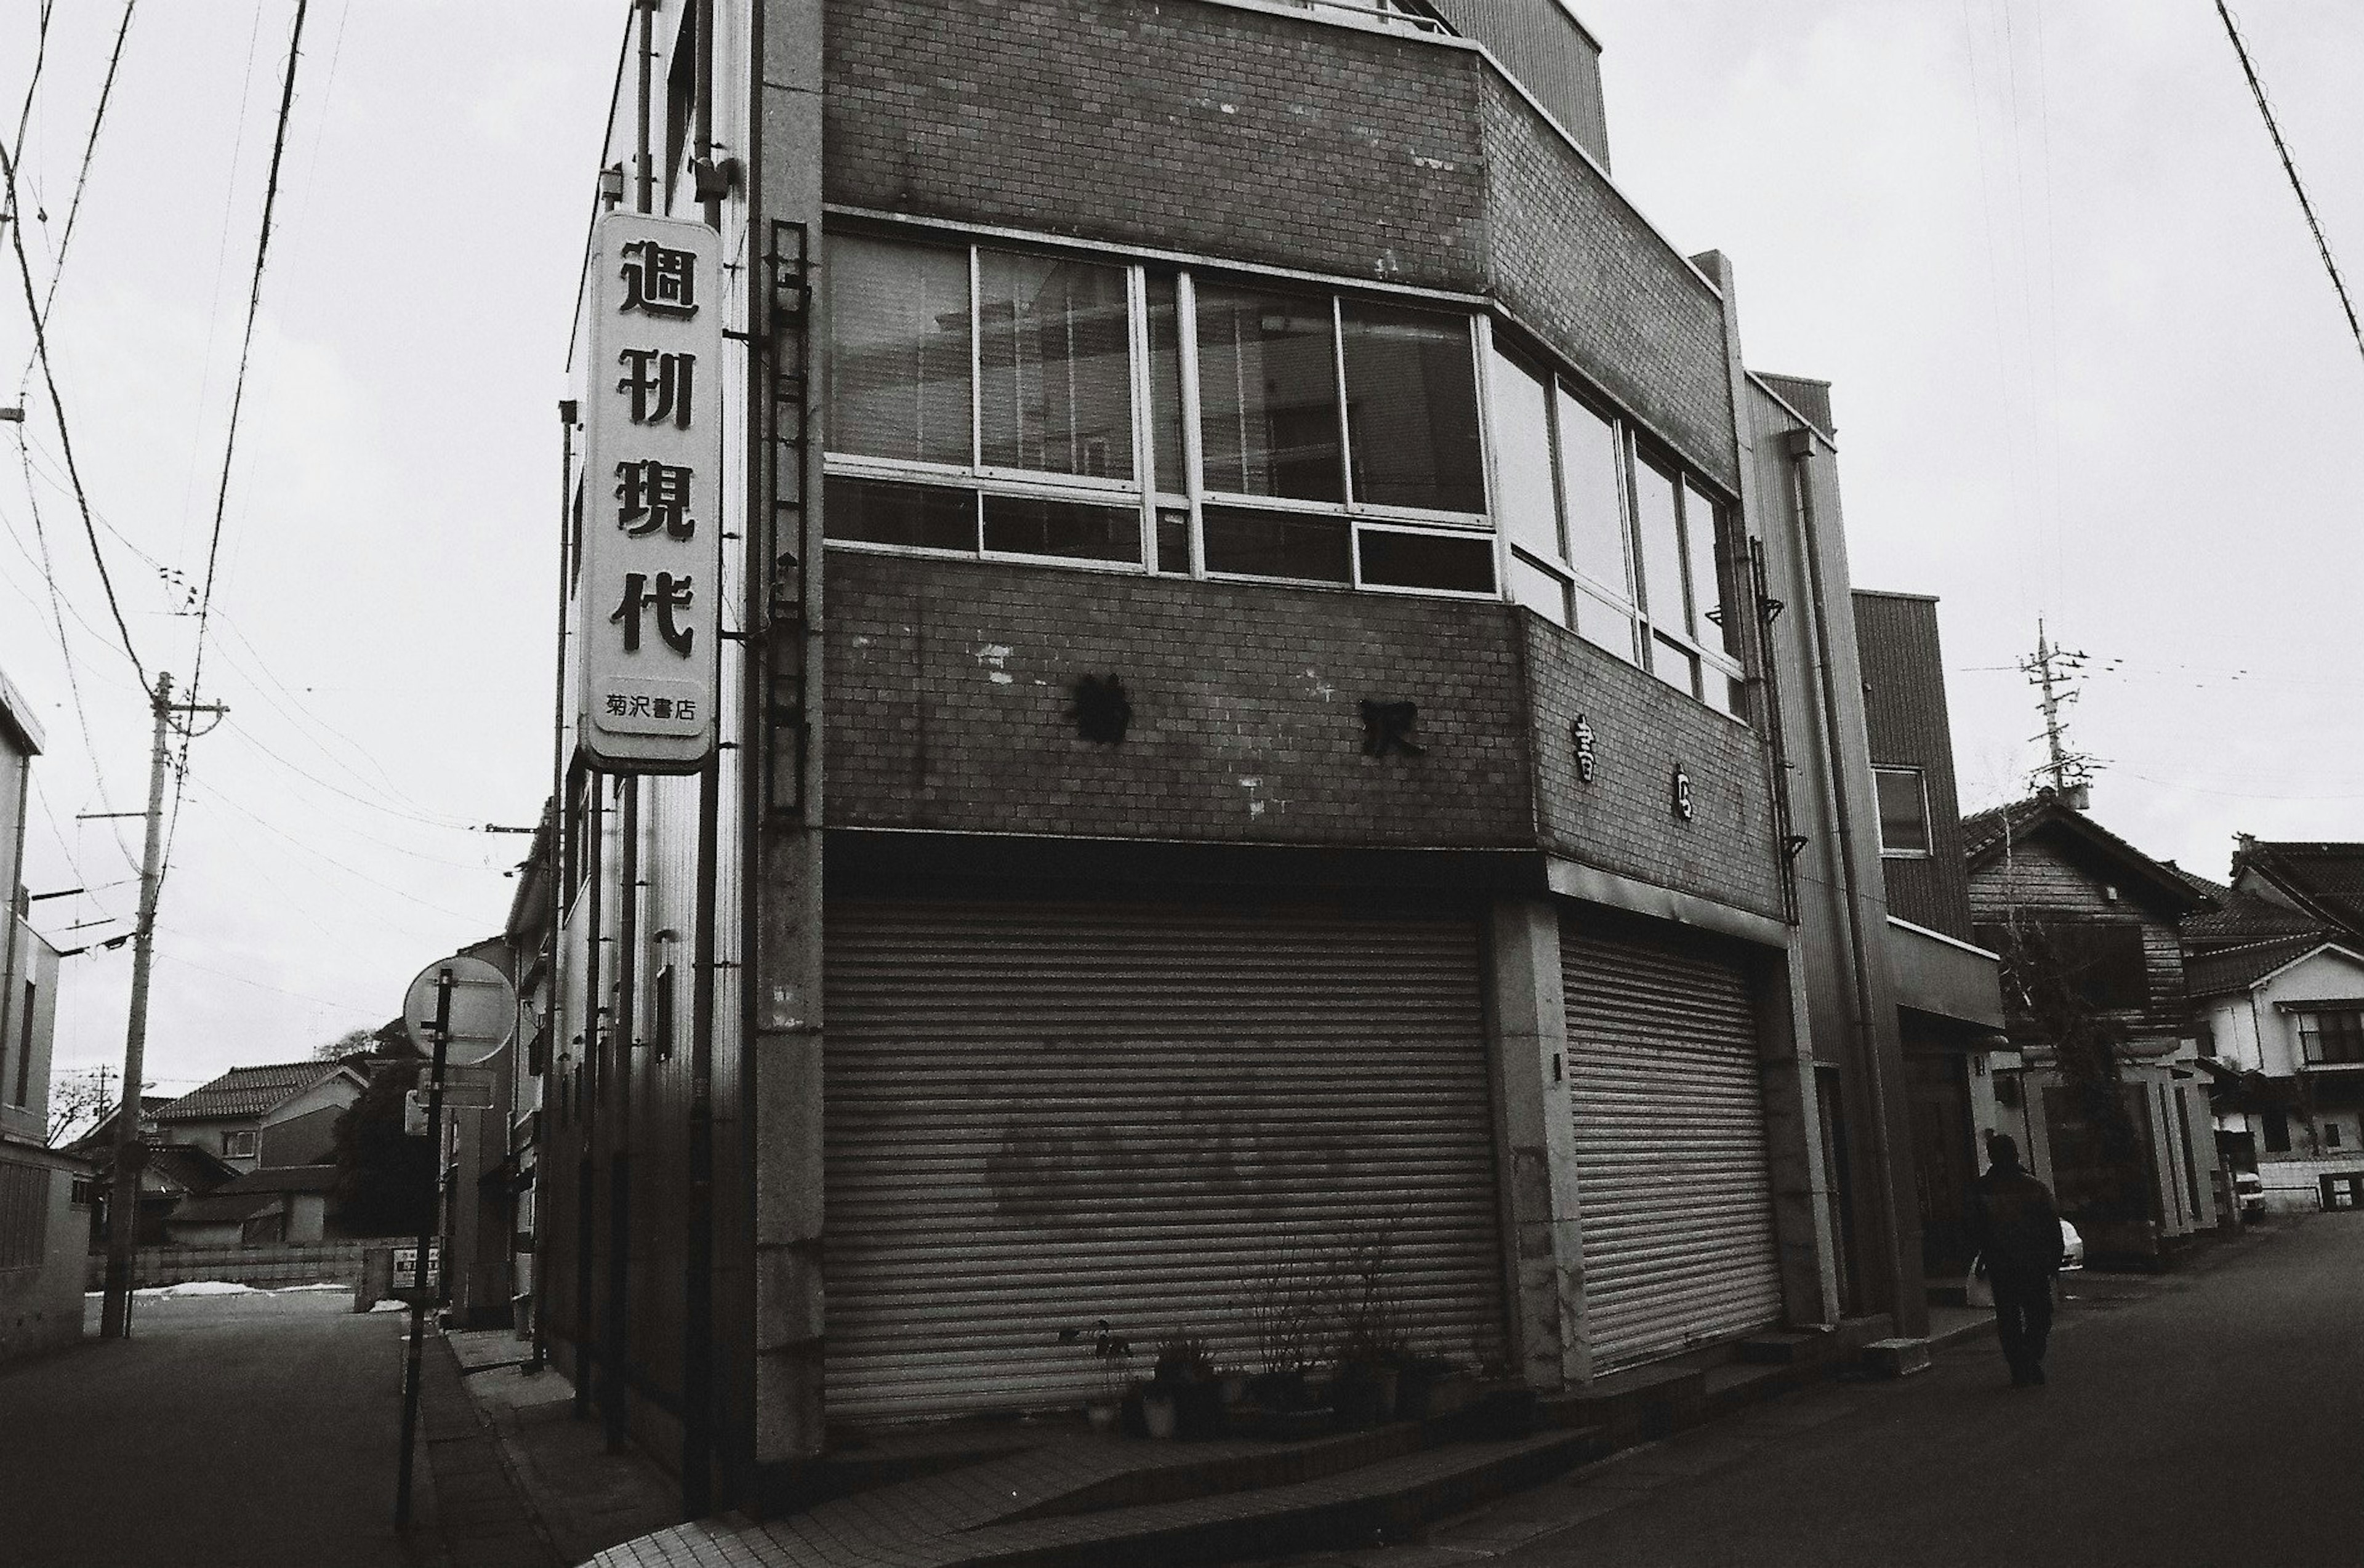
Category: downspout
<point>647,197</point>
<point>620,1146</point>
<point>755,531</point>
<point>1798,445</point>
<point>13,907</point>
<point>554,946</point>
<point>591,1082</point>
<point>697,1250</point>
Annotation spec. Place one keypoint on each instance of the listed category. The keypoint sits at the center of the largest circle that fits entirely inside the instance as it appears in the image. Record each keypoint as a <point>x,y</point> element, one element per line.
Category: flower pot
<point>1158,1414</point>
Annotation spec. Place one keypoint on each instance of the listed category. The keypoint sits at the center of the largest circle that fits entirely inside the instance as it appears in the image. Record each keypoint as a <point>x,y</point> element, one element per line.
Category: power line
<point>58,406</point>
<point>33,82</point>
<point>2289,167</point>
<point>237,395</point>
<point>81,176</point>
<point>447,825</point>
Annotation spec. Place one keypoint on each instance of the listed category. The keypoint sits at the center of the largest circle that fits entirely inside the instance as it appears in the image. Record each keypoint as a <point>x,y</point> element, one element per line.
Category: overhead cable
<point>2289,167</point>
<point>65,433</point>
<point>82,176</point>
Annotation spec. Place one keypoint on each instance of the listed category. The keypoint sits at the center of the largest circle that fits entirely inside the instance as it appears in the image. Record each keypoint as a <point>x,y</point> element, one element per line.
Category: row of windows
<point>997,402</point>
<point>2331,1038</point>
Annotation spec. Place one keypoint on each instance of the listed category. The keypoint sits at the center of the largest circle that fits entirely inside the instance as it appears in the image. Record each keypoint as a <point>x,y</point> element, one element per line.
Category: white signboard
<point>406,1267</point>
<point>648,586</point>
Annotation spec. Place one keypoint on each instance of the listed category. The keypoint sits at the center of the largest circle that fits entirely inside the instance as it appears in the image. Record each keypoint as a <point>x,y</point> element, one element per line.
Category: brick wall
<point>1624,821</point>
<point>1571,259</point>
<point>950,683</point>
<point>262,1267</point>
<point>1181,126</point>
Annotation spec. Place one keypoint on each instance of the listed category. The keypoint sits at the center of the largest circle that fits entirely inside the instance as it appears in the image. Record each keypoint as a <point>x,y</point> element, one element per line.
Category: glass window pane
<point>1605,624</point>
<point>1055,366</point>
<point>1277,544</point>
<point>927,515</point>
<point>1526,504</point>
<point>1710,581</point>
<point>1904,814</point>
<point>1411,409</point>
<point>1660,535</point>
<point>1591,478</point>
<point>1029,525</point>
<point>1268,395</point>
<point>1539,591</point>
<point>1675,665</point>
<point>1165,384</point>
<point>899,366</point>
<point>1174,540</point>
<point>1464,563</point>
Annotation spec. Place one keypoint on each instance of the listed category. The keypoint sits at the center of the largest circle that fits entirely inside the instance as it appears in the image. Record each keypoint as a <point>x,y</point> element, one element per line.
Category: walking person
<point>2016,1227</point>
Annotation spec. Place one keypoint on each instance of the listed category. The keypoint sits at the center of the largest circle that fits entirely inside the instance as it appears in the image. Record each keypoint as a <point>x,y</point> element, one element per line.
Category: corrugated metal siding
<point>1540,44</point>
<point>1673,1183</point>
<point>1043,1114</point>
<point>1906,718</point>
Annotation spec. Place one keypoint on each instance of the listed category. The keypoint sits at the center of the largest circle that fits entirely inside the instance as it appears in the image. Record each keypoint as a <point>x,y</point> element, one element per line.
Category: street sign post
<point>460,1010</point>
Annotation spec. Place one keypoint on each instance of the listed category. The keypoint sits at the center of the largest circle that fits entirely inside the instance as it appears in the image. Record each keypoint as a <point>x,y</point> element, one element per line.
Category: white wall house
<point>2289,1010</point>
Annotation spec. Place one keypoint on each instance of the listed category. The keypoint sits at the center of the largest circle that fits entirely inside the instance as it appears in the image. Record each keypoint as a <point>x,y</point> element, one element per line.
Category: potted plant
<point>1186,1378</point>
<point>1112,1354</point>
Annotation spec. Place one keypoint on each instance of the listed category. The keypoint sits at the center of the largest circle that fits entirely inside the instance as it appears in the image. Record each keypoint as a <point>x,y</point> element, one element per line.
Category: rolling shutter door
<point>1672,1180</point>
<point>1043,1114</point>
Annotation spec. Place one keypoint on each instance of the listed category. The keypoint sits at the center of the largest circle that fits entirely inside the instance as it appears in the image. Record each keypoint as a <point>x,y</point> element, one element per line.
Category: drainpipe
<point>1798,445</point>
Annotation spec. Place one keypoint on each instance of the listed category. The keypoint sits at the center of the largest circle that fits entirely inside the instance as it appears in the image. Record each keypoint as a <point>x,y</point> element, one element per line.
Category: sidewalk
<point>565,1491</point>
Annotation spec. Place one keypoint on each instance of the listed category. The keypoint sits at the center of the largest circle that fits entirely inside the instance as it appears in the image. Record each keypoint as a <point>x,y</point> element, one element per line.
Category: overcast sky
<point>2087,367</point>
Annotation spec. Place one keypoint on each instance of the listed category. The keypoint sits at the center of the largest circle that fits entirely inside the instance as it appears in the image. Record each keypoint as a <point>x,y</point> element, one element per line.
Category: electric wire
<point>236,404</point>
<point>33,81</point>
<point>2289,167</point>
<point>81,176</point>
<point>65,432</point>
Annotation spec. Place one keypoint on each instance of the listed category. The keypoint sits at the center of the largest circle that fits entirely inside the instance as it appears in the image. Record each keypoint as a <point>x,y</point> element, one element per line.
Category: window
<point>2276,1132</point>
<point>2331,1134</point>
<point>2331,1038</point>
<point>1903,812</point>
<point>1608,538</point>
<point>23,1089</point>
<point>237,1145</point>
<point>1005,403</point>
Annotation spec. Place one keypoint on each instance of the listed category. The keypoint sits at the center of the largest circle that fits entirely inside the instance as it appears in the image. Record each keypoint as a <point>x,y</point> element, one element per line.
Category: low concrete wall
<point>310,1263</point>
<point>40,1305</point>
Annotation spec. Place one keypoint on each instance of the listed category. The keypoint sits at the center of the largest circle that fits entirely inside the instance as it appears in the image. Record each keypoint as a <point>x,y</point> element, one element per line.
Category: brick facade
<point>954,689</point>
<point>1185,126</point>
<point>952,682</point>
<point>1624,821</point>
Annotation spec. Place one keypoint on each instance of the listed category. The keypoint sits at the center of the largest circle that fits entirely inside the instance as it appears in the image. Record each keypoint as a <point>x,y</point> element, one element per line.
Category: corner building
<point>1261,723</point>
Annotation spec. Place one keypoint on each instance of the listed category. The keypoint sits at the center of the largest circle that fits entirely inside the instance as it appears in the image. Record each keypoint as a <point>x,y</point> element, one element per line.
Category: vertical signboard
<point>648,591</point>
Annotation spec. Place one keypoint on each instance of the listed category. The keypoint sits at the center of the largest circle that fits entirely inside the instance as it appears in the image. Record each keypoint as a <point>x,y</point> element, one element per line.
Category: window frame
<point>250,1138</point>
<point>1155,496</point>
<point>1920,776</point>
<point>2311,1035</point>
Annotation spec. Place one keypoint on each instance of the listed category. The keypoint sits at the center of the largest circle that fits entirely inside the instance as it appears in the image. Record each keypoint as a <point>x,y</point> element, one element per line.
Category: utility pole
<point>130,1154</point>
<point>2052,668</point>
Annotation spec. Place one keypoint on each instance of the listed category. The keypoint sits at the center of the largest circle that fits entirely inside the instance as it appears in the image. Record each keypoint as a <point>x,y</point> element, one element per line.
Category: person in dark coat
<point>2015,1225</point>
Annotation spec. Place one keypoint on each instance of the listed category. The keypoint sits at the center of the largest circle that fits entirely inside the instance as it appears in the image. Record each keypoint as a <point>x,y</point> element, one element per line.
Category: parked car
<point>2249,1192</point>
<point>2073,1248</point>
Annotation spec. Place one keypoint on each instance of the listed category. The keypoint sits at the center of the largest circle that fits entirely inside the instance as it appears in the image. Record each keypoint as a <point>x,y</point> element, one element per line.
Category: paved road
<point>2212,1417</point>
<point>254,1430</point>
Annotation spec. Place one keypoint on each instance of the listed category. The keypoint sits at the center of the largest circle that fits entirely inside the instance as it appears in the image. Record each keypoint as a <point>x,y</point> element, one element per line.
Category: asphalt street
<point>255,1430</point>
<point>2212,1417</point>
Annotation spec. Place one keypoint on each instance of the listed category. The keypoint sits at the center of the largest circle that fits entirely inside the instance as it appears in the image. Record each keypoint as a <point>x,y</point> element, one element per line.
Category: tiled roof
<point>1984,834</point>
<point>2328,877</point>
<point>188,1167</point>
<point>220,1209</point>
<point>247,1091</point>
<point>2229,970</point>
<point>283,1179</point>
<point>2240,919</point>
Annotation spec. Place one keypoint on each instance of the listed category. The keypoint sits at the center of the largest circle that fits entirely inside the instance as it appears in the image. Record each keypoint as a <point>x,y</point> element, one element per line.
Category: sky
<point>2087,368</point>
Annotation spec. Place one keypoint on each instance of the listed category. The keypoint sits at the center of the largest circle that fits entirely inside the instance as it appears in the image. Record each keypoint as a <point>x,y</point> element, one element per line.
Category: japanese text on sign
<point>649,577</point>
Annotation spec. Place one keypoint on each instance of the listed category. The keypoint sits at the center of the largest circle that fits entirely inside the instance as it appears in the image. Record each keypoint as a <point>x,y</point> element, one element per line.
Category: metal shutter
<point>1042,1113</point>
<point>1672,1183</point>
